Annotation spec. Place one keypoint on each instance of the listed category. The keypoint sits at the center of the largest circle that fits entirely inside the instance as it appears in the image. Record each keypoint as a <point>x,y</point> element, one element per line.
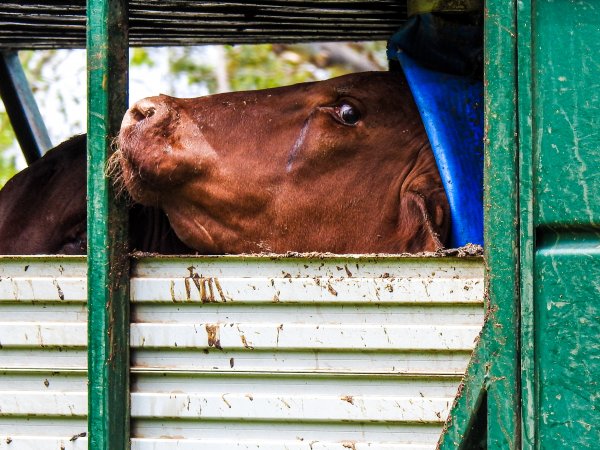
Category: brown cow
<point>342,165</point>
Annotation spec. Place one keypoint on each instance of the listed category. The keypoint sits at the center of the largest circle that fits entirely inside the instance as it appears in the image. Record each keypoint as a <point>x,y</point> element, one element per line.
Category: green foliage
<point>7,162</point>
<point>242,67</point>
<point>33,69</point>
<point>260,67</point>
<point>185,62</point>
<point>140,57</point>
<point>272,65</point>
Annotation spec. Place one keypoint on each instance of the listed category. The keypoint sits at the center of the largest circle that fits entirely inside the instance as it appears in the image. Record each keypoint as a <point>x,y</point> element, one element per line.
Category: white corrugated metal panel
<point>43,358</point>
<point>321,353</point>
<point>246,352</point>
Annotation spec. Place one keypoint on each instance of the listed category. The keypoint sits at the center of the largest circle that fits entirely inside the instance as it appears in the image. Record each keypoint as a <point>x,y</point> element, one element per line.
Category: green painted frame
<point>559,146</point>
<point>108,261</point>
<point>540,343</point>
<point>494,371</point>
<point>22,109</point>
<point>527,235</point>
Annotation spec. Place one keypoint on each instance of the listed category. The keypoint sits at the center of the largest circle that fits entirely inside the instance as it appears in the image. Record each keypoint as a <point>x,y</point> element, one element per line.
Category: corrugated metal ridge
<point>450,376</point>
<point>43,370</point>
<point>447,376</point>
<point>49,24</point>
<point>317,352</point>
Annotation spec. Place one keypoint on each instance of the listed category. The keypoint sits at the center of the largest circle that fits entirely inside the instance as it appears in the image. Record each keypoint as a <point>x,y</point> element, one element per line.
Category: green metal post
<point>502,224</point>
<point>22,109</point>
<point>108,265</point>
<point>559,128</point>
<point>527,237</point>
<point>493,373</point>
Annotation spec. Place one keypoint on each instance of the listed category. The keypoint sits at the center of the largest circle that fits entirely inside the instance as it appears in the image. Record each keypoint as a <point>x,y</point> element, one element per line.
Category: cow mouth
<point>126,176</point>
<point>114,171</point>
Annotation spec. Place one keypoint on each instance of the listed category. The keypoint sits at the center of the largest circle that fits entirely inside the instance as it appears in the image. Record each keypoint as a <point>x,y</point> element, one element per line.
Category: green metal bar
<point>527,235</point>
<point>22,109</point>
<point>501,204</point>
<point>563,355</point>
<point>466,403</point>
<point>494,366</point>
<point>108,263</point>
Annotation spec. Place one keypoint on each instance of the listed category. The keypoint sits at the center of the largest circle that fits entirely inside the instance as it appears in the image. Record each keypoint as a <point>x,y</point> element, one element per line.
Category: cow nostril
<point>137,115</point>
<point>143,110</point>
<point>148,112</point>
<point>140,113</point>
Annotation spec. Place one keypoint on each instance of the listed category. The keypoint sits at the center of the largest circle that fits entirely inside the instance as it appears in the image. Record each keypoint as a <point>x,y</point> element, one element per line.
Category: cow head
<point>342,165</point>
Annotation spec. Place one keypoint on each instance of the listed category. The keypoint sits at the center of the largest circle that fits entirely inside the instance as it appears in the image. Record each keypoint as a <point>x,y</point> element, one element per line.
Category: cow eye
<point>348,113</point>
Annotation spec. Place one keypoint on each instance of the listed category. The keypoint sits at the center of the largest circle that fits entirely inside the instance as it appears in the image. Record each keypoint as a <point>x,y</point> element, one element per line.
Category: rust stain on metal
<point>225,400</point>
<point>61,294</point>
<point>349,444</point>
<point>211,290</point>
<point>212,330</point>
<point>200,286</point>
<point>347,270</point>
<point>46,382</point>
<point>231,362</point>
<point>220,290</point>
<point>77,436</point>
<point>348,398</point>
<point>285,403</point>
<point>188,290</point>
<point>205,288</point>
<point>172,291</point>
<point>245,343</point>
<point>331,289</point>
<point>249,397</point>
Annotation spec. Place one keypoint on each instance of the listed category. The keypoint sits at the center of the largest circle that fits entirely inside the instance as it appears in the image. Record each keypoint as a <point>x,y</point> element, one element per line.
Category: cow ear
<point>424,220</point>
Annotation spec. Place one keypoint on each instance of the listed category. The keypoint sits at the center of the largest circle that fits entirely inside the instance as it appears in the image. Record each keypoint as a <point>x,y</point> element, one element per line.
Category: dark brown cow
<point>342,165</point>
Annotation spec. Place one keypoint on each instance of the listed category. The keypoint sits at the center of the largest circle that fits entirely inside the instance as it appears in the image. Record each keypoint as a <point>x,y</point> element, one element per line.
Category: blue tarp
<point>451,108</point>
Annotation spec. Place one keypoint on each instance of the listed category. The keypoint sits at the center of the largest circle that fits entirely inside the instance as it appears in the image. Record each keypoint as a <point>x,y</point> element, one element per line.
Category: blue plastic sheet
<point>451,107</point>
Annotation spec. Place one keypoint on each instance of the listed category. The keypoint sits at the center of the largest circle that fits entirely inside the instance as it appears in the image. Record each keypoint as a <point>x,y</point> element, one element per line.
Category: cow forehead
<point>366,85</point>
<point>363,82</point>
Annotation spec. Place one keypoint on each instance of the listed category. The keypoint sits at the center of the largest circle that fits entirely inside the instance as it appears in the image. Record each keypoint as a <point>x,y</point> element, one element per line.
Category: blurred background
<point>58,79</point>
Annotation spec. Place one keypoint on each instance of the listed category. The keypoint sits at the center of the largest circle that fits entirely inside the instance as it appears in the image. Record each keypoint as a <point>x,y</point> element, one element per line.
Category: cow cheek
<point>322,151</point>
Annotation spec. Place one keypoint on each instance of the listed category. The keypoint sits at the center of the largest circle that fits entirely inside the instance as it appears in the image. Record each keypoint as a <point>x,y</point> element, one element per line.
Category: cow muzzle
<point>151,111</point>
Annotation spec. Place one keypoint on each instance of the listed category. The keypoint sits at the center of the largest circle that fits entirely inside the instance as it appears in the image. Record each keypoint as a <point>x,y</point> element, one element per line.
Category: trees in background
<point>58,78</point>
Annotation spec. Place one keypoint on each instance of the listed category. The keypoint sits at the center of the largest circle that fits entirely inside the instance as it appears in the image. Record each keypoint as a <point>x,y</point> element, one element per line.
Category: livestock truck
<point>299,351</point>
